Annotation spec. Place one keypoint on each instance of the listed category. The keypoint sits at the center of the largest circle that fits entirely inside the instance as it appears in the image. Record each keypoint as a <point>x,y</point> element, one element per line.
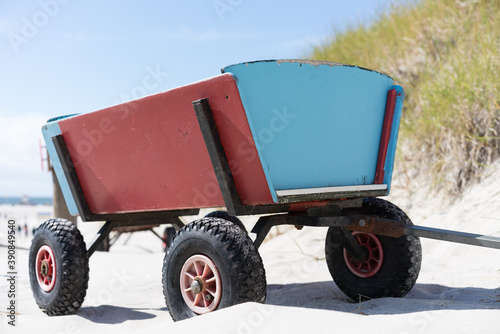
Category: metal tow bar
<point>454,236</point>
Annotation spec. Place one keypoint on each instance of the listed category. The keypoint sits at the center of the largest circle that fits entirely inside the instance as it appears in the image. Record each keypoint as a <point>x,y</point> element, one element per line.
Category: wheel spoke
<point>45,268</point>
<point>373,263</point>
<point>191,276</point>
<point>204,297</point>
<point>197,299</point>
<point>206,272</point>
<point>199,268</point>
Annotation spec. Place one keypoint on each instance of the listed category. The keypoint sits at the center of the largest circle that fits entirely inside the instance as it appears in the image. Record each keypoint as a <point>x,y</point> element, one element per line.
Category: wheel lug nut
<point>44,269</point>
<point>196,286</point>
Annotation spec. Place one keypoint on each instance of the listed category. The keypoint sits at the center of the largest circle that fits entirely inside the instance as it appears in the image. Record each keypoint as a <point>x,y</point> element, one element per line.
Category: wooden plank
<point>149,154</point>
<point>309,191</point>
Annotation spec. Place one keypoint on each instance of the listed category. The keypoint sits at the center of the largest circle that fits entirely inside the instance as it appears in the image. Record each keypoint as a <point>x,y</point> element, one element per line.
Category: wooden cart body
<point>293,132</point>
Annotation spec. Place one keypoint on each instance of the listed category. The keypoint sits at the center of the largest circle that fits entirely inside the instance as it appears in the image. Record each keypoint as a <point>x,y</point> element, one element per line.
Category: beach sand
<point>458,290</point>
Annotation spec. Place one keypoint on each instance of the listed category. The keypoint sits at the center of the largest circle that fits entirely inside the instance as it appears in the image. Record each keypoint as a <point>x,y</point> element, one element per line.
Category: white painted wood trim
<point>309,191</point>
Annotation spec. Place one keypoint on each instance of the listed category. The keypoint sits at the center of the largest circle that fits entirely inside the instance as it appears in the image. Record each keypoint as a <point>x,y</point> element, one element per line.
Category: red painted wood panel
<point>386,135</point>
<point>149,154</point>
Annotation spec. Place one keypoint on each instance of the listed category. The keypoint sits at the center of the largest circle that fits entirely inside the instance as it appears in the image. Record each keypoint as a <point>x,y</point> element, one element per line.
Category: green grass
<point>446,55</point>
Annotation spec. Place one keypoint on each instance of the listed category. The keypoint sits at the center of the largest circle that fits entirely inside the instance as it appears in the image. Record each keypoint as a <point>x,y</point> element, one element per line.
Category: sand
<point>458,290</point>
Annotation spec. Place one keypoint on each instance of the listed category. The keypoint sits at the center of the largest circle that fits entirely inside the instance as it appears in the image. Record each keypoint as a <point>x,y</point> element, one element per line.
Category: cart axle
<point>369,224</point>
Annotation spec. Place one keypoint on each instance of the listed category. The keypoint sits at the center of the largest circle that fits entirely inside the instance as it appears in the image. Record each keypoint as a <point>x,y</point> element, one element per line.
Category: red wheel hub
<point>45,268</point>
<point>201,285</point>
<point>375,255</point>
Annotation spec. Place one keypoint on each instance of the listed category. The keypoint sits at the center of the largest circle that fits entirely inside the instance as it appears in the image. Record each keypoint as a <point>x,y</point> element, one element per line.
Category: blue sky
<point>72,56</point>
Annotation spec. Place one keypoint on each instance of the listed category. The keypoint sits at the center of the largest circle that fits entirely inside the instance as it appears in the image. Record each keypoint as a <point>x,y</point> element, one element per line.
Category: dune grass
<point>446,55</point>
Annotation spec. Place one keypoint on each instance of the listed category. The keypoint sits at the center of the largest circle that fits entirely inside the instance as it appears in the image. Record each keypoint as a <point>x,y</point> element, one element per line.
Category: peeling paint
<point>316,63</point>
<point>310,62</point>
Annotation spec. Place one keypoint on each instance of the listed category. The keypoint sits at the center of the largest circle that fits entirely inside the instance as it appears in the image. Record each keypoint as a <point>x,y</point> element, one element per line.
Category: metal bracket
<point>100,236</point>
<point>221,166</point>
<point>70,174</point>
<point>218,156</point>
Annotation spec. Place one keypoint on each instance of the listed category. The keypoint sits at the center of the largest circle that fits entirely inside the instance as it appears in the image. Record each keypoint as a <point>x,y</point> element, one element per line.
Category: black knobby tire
<point>168,236</point>
<point>401,259</point>
<point>239,265</point>
<point>60,283</point>
<point>225,215</point>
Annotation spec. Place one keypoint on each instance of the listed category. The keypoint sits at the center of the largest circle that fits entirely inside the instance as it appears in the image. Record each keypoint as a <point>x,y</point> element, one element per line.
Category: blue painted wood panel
<point>49,130</point>
<point>315,124</point>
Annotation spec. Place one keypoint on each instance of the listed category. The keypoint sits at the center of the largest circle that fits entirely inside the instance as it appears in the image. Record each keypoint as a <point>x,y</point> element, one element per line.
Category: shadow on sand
<point>327,296</point>
<point>423,297</point>
<point>108,314</point>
